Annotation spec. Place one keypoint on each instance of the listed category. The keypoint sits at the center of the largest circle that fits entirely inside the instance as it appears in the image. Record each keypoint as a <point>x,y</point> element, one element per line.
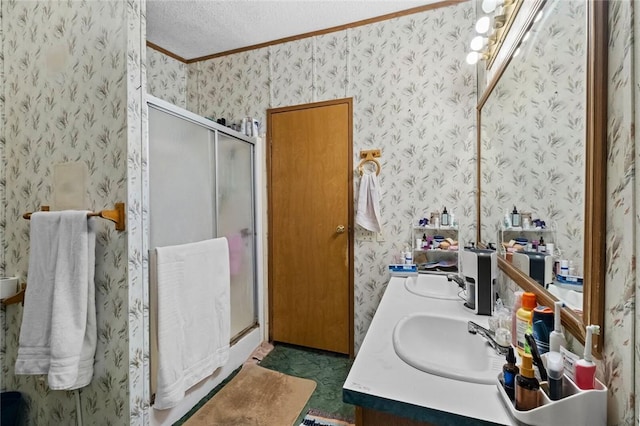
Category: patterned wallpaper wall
<point>414,98</point>
<point>533,127</point>
<point>65,90</point>
<point>167,77</point>
<point>622,289</point>
<point>622,222</point>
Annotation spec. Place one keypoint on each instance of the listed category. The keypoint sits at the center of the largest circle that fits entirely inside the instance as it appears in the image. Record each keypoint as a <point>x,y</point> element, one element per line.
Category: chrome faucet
<point>474,328</point>
<point>457,279</point>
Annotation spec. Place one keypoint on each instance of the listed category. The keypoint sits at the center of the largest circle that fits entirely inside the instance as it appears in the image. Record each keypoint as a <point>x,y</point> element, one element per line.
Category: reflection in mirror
<point>533,152</point>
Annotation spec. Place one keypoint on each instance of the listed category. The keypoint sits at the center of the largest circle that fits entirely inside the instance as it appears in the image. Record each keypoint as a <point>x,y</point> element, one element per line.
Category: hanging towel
<point>58,331</point>
<point>368,214</point>
<point>236,249</point>
<point>194,321</point>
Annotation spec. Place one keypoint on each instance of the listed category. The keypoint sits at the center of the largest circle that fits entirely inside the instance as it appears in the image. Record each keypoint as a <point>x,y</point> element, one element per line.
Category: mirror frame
<point>595,174</point>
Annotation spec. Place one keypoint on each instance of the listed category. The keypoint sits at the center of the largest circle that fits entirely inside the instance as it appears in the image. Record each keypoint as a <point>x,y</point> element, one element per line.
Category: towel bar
<point>16,298</point>
<point>369,155</point>
<point>116,215</point>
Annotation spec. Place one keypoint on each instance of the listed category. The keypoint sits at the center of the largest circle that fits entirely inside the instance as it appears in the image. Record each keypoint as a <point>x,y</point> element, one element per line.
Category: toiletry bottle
<point>541,326</point>
<point>517,304</point>
<point>585,374</point>
<point>564,267</point>
<point>408,256</point>
<point>556,338</point>
<point>515,218</point>
<point>507,220</point>
<point>523,321</point>
<point>527,386</point>
<point>509,372</point>
<point>444,217</point>
<point>542,247</point>
<point>555,371</point>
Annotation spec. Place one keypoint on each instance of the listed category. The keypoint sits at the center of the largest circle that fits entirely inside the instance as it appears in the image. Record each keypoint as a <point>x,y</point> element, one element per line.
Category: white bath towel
<point>58,331</point>
<point>194,320</point>
<point>368,214</point>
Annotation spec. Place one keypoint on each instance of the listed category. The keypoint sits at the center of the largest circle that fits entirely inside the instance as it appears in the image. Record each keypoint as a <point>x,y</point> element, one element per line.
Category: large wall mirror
<point>542,149</point>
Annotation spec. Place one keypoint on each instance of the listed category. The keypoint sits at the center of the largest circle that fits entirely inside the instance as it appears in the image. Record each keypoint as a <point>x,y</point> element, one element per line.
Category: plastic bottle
<point>408,256</point>
<point>555,370</point>
<point>527,386</point>
<point>523,321</point>
<point>507,220</point>
<point>556,338</point>
<point>517,303</point>
<point>509,372</point>
<point>585,374</point>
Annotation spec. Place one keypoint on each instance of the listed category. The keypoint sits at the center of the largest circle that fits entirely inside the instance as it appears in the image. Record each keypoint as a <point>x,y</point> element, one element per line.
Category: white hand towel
<point>58,332</point>
<point>368,214</point>
<point>194,320</point>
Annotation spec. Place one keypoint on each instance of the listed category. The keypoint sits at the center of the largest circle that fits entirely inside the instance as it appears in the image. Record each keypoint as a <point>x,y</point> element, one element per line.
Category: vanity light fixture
<point>492,27</point>
<point>483,25</point>
<point>478,43</point>
<point>489,6</point>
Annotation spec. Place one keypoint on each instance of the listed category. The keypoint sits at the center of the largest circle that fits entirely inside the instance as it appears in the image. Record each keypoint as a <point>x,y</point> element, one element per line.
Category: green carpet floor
<point>327,369</point>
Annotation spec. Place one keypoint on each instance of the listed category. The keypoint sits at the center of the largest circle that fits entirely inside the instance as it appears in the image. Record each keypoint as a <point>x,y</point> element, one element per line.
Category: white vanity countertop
<point>379,378</point>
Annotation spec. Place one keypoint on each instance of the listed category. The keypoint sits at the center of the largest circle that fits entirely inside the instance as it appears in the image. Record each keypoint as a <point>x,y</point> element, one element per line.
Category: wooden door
<point>310,223</point>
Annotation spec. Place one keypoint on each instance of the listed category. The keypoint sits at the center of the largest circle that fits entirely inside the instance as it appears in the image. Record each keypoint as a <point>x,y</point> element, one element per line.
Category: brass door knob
<point>340,229</point>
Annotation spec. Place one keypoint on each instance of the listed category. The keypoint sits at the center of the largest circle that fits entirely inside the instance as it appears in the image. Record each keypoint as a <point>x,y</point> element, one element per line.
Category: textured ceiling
<point>192,29</point>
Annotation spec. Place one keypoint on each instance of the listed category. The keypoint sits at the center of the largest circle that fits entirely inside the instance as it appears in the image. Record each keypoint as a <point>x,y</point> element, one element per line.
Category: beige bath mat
<point>256,396</point>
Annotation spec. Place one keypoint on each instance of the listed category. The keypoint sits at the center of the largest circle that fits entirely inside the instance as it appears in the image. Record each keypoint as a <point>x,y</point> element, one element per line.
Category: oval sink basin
<point>433,286</point>
<point>443,346</point>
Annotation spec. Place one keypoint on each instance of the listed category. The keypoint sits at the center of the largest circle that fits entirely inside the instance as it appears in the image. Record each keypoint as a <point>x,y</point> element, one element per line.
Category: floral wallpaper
<point>414,97</point>
<point>167,77</point>
<point>622,210</point>
<point>65,90</point>
<point>533,126</point>
<point>137,222</point>
<point>3,208</point>
<point>336,76</point>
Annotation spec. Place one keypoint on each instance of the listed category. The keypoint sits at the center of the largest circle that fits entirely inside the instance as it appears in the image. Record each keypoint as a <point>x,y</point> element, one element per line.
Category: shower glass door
<point>235,221</point>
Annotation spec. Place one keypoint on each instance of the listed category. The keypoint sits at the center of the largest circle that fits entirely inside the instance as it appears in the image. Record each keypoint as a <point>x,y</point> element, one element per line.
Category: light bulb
<point>526,36</point>
<point>472,58</point>
<point>477,43</point>
<point>489,6</point>
<point>516,53</point>
<point>538,17</point>
<point>483,24</point>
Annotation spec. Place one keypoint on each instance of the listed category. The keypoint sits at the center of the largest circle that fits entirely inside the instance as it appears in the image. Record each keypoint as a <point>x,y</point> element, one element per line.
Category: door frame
<point>350,201</point>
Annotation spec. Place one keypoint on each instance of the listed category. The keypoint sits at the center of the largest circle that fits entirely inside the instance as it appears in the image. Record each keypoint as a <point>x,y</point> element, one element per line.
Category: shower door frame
<point>215,129</point>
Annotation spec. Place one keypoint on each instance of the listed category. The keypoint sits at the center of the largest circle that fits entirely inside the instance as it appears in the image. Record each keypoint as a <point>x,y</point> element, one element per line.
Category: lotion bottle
<point>556,338</point>
<point>585,373</point>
